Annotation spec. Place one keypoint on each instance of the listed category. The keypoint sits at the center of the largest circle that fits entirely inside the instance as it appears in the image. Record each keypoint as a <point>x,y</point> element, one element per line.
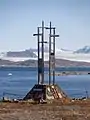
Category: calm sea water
<point>23,78</point>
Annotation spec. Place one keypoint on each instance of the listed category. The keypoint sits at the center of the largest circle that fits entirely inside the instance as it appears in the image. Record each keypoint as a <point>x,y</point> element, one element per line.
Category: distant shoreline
<point>59,71</point>
<point>45,66</point>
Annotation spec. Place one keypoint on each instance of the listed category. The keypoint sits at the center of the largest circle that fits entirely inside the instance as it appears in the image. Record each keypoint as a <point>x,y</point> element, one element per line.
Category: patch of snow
<point>17,59</point>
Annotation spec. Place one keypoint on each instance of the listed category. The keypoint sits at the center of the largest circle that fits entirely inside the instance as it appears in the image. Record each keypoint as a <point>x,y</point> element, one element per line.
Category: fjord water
<point>15,82</point>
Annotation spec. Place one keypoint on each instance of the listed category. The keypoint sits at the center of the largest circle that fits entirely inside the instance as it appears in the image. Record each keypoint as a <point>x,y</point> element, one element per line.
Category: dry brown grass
<point>77,110</point>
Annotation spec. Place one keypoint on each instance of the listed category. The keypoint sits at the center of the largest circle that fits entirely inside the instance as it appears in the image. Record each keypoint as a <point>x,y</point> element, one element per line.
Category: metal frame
<point>51,50</point>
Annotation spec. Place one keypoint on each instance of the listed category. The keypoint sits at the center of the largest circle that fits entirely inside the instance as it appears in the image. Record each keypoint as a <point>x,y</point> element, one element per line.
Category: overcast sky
<point>19,19</point>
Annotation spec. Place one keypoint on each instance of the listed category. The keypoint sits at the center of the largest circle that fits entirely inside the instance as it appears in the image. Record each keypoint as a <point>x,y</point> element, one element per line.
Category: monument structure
<point>41,90</point>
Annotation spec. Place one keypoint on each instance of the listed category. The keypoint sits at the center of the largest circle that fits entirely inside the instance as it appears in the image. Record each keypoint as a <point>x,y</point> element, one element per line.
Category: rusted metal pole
<point>50,54</point>
<point>54,56</point>
<point>38,54</point>
<point>42,52</point>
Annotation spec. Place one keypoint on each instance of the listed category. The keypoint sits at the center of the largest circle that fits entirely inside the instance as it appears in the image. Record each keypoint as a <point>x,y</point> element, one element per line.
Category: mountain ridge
<point>34,63</point>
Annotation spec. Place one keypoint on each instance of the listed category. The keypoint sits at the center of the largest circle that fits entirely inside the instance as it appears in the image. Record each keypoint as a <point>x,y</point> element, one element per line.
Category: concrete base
<point>45,92</point>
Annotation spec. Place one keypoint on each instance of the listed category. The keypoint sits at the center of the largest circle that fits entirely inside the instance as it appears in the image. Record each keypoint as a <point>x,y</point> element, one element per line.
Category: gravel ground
<point>77,110</point>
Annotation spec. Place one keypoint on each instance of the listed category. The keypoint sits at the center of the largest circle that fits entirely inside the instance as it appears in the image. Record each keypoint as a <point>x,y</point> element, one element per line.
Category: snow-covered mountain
<point>18,55</point>
<point>78,55</point>
<point>84,50</point>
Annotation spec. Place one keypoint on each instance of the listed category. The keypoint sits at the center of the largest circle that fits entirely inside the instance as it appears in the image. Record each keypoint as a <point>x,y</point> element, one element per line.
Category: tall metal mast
<point>38,54</point>
<point>42,52</point>
<point>50,32</point>
<point>50,55</point>
<point>39,67</point>
<point>54,56</point>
